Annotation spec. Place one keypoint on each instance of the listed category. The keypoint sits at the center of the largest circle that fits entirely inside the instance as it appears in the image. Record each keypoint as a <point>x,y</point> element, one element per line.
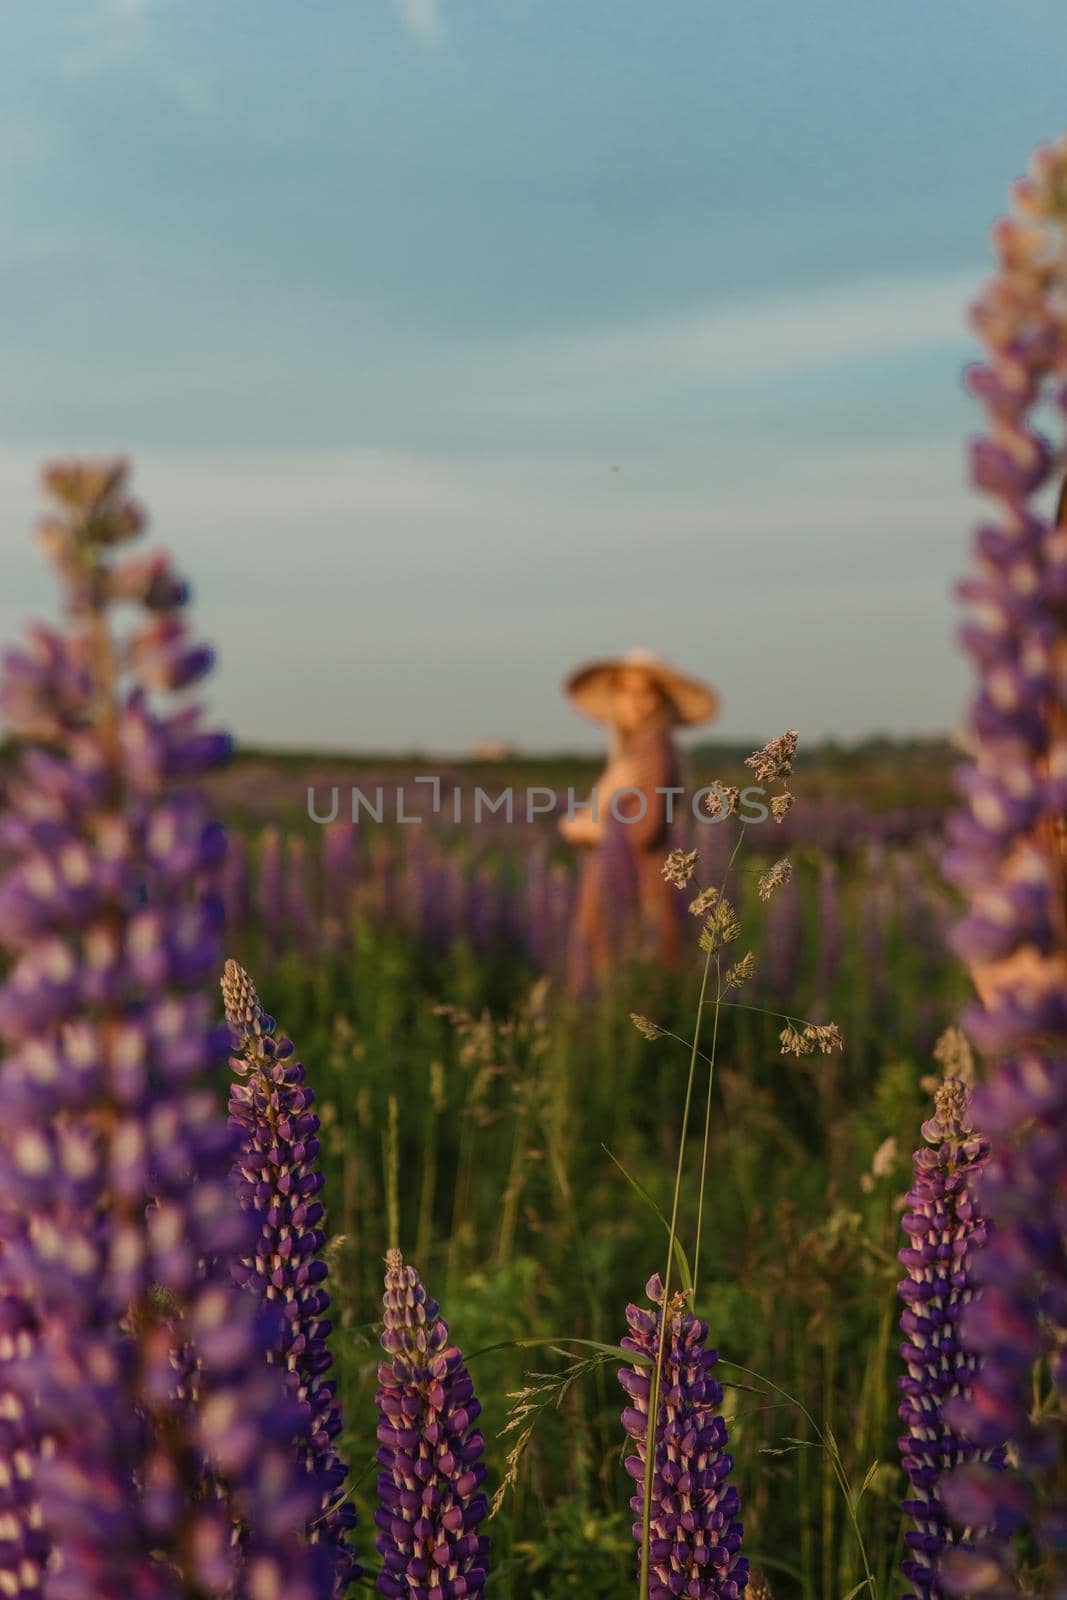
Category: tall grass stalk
<point>392,1174</point>
<point>711,1073</point>
<point>829,1444</point>
<point>652,1427</point>
<point>509,1210</point>
<point>707,1124</point>
<point>462,1198</point>
<point>829,1376</point>
<point>428,1184</point>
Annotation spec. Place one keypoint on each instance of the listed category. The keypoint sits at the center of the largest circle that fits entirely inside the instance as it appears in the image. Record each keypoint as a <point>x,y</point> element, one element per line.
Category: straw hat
<point>590,687</point>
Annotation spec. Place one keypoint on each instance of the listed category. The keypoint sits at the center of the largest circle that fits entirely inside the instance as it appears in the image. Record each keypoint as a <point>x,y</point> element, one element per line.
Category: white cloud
<point>105,34</point>
<point>773,334</point>
<point>422,19</point>
<point>115,33</point>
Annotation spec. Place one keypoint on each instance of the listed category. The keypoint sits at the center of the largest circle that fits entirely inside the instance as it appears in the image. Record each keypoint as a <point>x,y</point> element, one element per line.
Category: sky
<point>456,341</point>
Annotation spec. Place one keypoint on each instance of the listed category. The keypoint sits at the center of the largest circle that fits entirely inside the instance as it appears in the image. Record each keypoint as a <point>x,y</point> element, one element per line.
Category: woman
<point>621,889</point>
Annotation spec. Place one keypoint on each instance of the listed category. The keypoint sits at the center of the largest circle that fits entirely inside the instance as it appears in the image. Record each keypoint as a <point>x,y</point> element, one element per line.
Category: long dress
<point>624,907</point>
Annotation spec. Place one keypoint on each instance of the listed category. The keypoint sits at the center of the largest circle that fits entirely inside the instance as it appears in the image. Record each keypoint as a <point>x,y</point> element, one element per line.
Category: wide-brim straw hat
<point>591,687</point>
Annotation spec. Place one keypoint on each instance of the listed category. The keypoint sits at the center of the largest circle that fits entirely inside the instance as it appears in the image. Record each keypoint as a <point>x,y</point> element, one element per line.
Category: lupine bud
<point>278,1178</point>
<point>144,1424</point>
<point>696,1536</point>
<point>944,1225</point>
<point>430,1503</point>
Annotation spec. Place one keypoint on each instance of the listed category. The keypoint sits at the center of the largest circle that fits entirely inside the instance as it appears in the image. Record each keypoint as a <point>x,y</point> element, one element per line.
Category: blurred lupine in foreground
<point>118,1214</point>
<point>278,1179</point>
<point>696,1537</point>
<point>24,1544</point>
<point>1007,851</point>
<point>430,1503</point>
<point>945,1226</point>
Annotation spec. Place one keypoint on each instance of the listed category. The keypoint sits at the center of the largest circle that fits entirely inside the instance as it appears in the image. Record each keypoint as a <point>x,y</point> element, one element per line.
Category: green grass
<point>510,1200</point>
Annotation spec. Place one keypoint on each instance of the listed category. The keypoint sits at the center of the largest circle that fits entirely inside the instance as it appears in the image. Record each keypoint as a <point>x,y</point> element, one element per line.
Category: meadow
<point>490,1145</point>
<point>407,1083</point>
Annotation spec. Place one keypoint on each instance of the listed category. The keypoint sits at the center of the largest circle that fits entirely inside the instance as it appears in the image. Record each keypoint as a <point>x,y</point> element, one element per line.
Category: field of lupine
<point>414,1310</point>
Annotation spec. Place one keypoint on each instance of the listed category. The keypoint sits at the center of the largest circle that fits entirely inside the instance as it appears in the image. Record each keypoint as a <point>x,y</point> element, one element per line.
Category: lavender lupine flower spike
<point>24,1543</point>
<point>278,1179</point>
<point>696,1537</point>
<point>430,1503</point>
<point>1007,851</point>
<point>117,1209</point>
<point>945,1226</point>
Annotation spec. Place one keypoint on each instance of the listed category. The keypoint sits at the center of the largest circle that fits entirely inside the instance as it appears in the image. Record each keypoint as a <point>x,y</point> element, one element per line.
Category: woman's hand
<point>581,828</point>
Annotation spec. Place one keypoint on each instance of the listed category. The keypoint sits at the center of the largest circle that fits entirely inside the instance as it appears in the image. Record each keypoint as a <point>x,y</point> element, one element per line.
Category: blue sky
<point>455,340</point>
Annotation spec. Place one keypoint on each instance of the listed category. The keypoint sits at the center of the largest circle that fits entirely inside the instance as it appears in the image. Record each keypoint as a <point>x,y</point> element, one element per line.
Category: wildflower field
<point>347,1243</point>
<point>492,1123</point>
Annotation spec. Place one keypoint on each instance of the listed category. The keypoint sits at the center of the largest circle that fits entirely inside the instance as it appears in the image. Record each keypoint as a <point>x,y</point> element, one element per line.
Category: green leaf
<point>773,1564</point>
<point>868,1479</point>
<point>556,1342</point>
<point>681,1259</point>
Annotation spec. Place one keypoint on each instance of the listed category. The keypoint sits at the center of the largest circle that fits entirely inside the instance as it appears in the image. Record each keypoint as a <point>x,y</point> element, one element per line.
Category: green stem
<point>652,1424</point>
<point>428,1186</point>
<point>828,1518</point>
<point>392,1175</point>
<point>461,1201</point>
<point>512,1189</point>
<point>677,1037</point>
<point>718,1003</point>
<point>707,1127</point>
<point>777,1016</point>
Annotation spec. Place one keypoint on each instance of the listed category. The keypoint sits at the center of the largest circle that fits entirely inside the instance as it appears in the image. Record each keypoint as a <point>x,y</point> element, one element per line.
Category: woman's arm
<point>585,826</point>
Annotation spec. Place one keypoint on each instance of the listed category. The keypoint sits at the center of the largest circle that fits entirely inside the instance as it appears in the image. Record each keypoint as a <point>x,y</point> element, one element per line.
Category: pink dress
<point>624,906</point>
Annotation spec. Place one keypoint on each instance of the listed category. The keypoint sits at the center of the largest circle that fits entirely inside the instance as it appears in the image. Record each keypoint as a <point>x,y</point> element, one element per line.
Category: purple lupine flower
<point>271,886</point>
<point>383,887</point>
<point>696,1535</point>
<point>783,941</point>
<point>278,1179</point>
<point>236,895</point>
<point>117,1209</point>
<point>339,873</point>
<point>453,899</point>
<point>425,892</point>
<point>945,1225</point>
<point>301,923</point>
<point>430,1503</point>
<point>536,897</point>
<point>481,914</point>
<point>830,917</point>
<point>875,918</point>
<point>1006,851</point>
<point>24,1544</point>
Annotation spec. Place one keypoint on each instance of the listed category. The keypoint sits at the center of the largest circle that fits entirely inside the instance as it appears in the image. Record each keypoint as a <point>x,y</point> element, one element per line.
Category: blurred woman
<point>624,839</point>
